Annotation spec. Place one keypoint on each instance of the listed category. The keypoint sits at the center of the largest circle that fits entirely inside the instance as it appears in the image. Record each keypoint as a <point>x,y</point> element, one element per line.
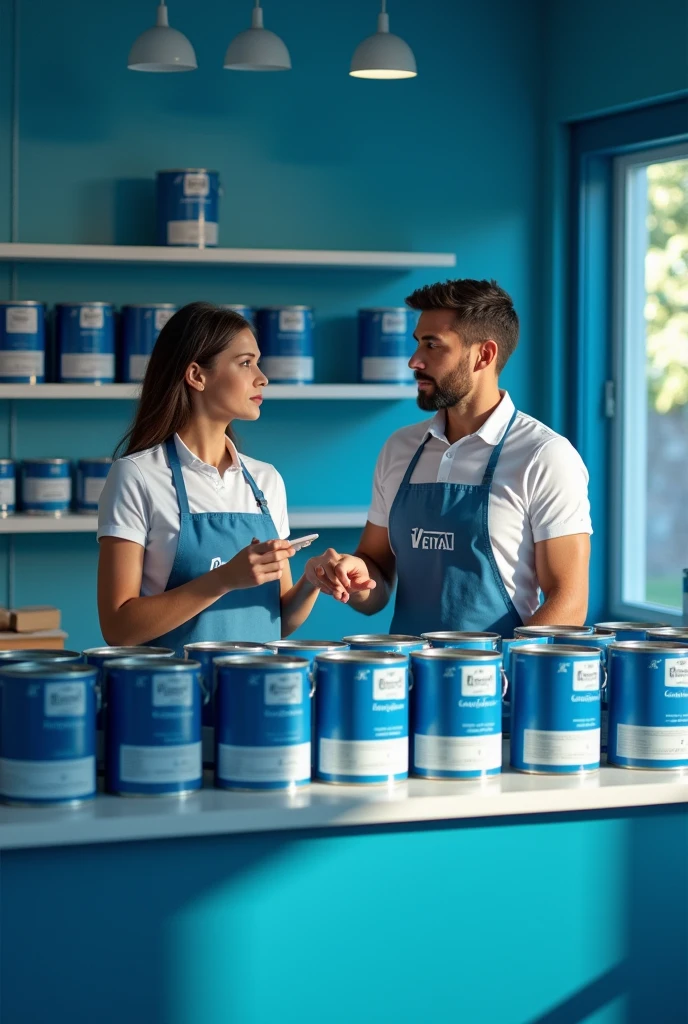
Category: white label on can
<point>457,753</point>
<point>7,491</point>
<point>93,488</point>
<point>364,757</point>
<point>40,490</point>
<point>652,743</point>
<point>196,185</point>
<point>161,317</point>
<point>586,675</point>
<point>562,749</point>
<point>394,323</point>
<point>282,688</point>
<point>21,363</point>
<point>292,321</point>
<point>676,672</point>
<point>479,681</point>
<point>264,764</point>
<point>172,691</point>
<point>396,368</point>
<point>91,318</point>
<point>288,367</point>
<point>21,320</point>
<point>47,780</point>
<point>389,683</point>
<point>149,765</point>
<point>87,366</point>
<point>191,232</point>
<point>65,699</point>
<point>137,367</point>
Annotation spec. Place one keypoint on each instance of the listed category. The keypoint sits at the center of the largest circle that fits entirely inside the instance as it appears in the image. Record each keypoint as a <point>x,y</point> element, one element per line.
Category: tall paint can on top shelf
<point>91,475</point>
<point>187,207</point>
<point>22,342</point>
<point>46,486</point>
<point>139,329</point>
<point>8,488</point>
<point>285,337</point>
<point>385,344</point>
<point>85,342</point>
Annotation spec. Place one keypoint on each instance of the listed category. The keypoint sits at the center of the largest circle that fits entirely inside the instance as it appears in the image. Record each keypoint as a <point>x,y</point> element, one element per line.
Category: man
<point>478,511</point>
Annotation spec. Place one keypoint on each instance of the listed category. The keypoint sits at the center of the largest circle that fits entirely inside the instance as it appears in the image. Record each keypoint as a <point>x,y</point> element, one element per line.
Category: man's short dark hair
<point>481,310</point>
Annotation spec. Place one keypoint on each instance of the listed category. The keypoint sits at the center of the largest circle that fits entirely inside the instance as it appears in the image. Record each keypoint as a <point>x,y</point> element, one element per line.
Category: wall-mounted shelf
<point>279,391</point>
<point>24,252</point>
<point>318,518</point>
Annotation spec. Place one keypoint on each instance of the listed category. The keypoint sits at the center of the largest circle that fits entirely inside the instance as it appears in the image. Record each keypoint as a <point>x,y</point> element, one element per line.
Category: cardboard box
<point>4,618</point>
<point>33,618</point>
<point>46,639</point>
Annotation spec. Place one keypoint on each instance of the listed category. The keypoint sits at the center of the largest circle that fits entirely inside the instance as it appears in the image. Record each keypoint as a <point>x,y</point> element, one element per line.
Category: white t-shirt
<point>139,502</point>
<point>539,489</point>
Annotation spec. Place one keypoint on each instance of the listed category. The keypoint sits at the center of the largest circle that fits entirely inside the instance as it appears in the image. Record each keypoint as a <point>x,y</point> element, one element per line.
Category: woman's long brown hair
<point>195,334</point>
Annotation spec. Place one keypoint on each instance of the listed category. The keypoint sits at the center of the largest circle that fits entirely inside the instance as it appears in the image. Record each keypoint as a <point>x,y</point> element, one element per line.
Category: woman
<point>192,537</point>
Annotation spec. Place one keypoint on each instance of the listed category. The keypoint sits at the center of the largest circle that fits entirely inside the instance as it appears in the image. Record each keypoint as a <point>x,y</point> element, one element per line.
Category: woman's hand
<point>339,575</point>
<point>256,564</point>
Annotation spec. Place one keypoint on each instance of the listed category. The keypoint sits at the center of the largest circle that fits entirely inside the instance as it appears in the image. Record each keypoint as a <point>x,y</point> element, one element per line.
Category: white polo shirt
<point>139,502</point>
<point>539,489</point>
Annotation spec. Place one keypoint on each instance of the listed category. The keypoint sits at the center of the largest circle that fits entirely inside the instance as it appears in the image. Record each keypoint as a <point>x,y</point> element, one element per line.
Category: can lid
<point>45,462</point>
<point>459,635</point>
<point>21,302</point>
<point>597,634</point>
<point>101,460</point>
<point>385,309</point>
<point>381,638</point>
<point>160,663</point>
<point>128,652</point>
<point>616,626</point>
<point>226,645</point>
<point>188,170</point>
<point>667,632</point>
<point>286,309</point>
<point>651,647</point>
<point>457,654</point>
<point>264,661</point>
<point>307,645</point>
<point>556,650</point>
<point>61,670</point>
<point>66,305</point>
<point>40,654</point>
<point>378,657</point>
<point>553,630</point>
<point>150,305</point>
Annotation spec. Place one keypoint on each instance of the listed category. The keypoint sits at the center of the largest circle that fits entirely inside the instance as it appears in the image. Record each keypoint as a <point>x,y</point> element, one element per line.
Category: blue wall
<point>311,158</point>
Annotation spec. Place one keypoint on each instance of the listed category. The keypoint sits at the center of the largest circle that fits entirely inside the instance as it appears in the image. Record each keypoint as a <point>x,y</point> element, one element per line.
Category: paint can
<point>58,657</point>
<point>602,639</point>
<point>206,652</point>
<point>555,709</point>
<point>91,475</point>
<point>392,643</point>
<point>248,312</point>
<point>86,342</point>
<point>47,733</point>
<point>534,632</point>
<point>22,342</point>
<point>685,597</point>
<point>630,630</point>
<point>188,204</point>
<point>507,648</point>
<point>385,344</point>
<point>262,722</point>
<point>8,488</point>
<point>153,726</point>
<point>361,717</point>
<point>285,336</point>
<point>648,705</point>
<point>140,327</point>
<point>674,634</point>
<point>46,487</point>
<point>469,641</point>
<point>456,713</point>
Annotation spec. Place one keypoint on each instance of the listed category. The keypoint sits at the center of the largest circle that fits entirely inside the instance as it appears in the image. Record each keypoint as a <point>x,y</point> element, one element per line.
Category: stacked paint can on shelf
<point>22,342</point>
<point>385,341</point>
<point>187,207</point>
<point>46,486</point>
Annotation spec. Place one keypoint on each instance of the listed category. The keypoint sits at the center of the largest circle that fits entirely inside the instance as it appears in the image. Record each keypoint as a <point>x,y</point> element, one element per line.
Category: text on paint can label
<point>48,780</point>
<point>264,764</point>
<point>363,757</point>
<point>572,748</point>
<point>676,672</point>
<point>91,318</point>
<point>652,743</point>
<point>177,692</point>
<point>21,320</point>
<point>161,317</point>
<point>586,675</point>
<point>93,488</point>
<point>159,765</point>
<point>389,684</point>
<point>65,699</point>
<point>292,320</point>
<point>282,688</point>
<point>196,185</point>
<point>457,753</point>
<point>479,681</point>
<point>394,323</point>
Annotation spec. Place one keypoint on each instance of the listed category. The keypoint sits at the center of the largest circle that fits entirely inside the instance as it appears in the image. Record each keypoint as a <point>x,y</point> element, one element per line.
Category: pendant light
<point>383,55</point>
<point>162,48</point>
<point>257,49</point>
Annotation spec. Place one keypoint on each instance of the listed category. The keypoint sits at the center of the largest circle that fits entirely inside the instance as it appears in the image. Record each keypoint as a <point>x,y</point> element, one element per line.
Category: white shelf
<point>21,252</point>
<point>320,392</point>
<point>317,518</point>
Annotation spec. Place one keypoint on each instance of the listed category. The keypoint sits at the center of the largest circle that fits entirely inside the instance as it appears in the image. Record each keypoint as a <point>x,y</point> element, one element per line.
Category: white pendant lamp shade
<point>162,48</point>
<point>256,49</point>
<point>383,55</point>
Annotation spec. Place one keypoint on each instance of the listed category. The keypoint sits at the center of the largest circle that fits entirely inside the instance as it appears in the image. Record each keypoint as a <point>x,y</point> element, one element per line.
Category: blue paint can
<point>22,342</point>
<point>507,647</point>
<point>630,630</point>
<point>285,336</point>
<point>672,634</point>
<point>685,597</point>
<point>361,717</point>
<point>140,327</point>
<point>648,705</point>
<point>206,653</point>
<point>153,726</point>
<point>555,709</point>
<point>86,342</point>
<point>91,475</point>
<point>188,205</point>
<point>248,312</point>
<point>535,632</point>
<point>469,641</point>
<point>8,488</point>
<point>385,344</point>
<point>602,640</point>
<point>46,486</point>
<point>262,722</point>
<point>392,643</point>
<point>47,733</point>
<point>456,713</point>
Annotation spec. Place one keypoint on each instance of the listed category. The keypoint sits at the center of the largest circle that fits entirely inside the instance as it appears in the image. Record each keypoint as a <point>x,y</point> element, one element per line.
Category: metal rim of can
<point>152,661</point>
<point>67,305</point>
<point>556,651</point>
<point>126,652</point>
<point>225,645</point>
<point>102,460</point>
<point>352,657</point>
<point>618,626</point>
<point>46,462</point>
<point>381,638</point>
<point>53,669</point>
<point>7,462</point>
<point>39,654</point>
<point>456,654</point>
<point>598,634</point>
<point>459,635</point>
<point>667,632</point>
<point>650,647</point>
<point>21,302</point>
<point>278,309</point>
<point>188,170</point>
<point>306,645</point>
<point>266,661</point>
<point>526,631</point>
<point>150,305</point>
<point>385,309</point>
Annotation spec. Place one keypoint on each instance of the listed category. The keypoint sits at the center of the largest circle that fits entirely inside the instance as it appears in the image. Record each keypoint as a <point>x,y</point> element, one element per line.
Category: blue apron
<point>207,540</point>
<point>448,578</point>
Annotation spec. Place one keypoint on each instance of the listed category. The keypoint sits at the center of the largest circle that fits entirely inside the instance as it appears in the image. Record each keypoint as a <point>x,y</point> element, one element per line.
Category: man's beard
<point>450,390</point>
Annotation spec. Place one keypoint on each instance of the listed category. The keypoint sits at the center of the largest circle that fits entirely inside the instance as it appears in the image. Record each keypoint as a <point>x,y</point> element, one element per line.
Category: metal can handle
<point>505,681</point>
<point>311,677</point>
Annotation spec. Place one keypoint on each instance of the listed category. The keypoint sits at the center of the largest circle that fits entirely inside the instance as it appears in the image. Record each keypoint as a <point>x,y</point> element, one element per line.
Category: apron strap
<point>412,465</point>
<point>178,479</point>
<point>496,452</point>
<point>261,500</point>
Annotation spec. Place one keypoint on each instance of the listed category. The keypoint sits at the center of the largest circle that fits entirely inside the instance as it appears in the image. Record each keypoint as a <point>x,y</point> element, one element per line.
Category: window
<point>649,476</point>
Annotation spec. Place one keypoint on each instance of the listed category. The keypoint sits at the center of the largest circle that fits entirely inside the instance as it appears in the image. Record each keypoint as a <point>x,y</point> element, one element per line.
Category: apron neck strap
<point>412,464</point>
<point>261,500</point>
<point>178,479</point>
<point>496,452</point>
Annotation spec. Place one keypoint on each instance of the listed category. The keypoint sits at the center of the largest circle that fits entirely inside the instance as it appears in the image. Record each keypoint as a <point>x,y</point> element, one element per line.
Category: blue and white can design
<point>507,648</point>
<point>8,488</point>
<point>188,205</point>
<point>285,336</point>
<point>206,653</point>
<point>392,643</point>
<point>22,342</point>
<point>385,344</point>
<point>46,486</point>
<point>469,641</point>
<point>91,475</point>
<point>602,640</point>
<point>456,713</point>
<point>47,733</point>
<point>262,722</point>
<point>86,342</point>
<point>361,717</point>
<point>153,726</point>
<point>629,630</point>
<point>648,705</point>
<point>555,709</point>
<point>140,327</point>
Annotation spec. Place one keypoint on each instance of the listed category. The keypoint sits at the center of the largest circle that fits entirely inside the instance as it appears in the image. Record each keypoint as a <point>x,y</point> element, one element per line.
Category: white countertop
<point>111,819</point>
